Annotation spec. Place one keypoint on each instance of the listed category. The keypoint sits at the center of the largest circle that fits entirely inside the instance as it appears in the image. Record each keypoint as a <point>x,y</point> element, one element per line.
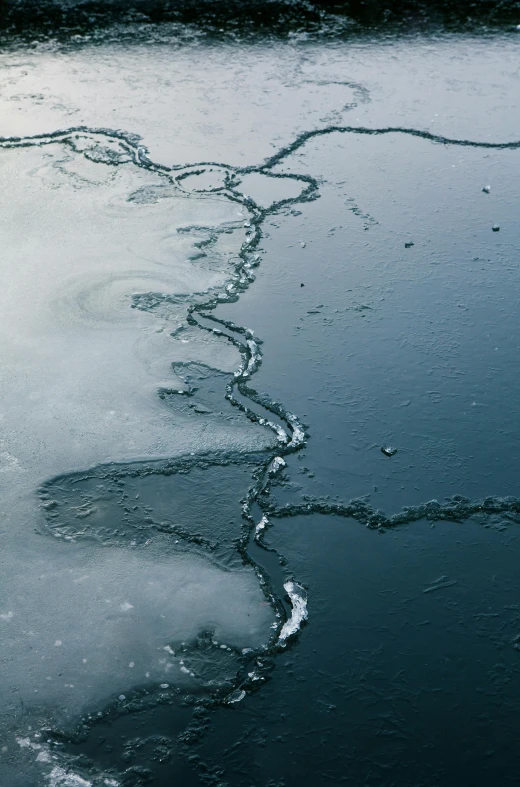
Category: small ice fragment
<point>164,686</point>
<point>261,526</point>
<point>125,606</point>
<point>299,613</point>
<point>59,777</point>
<point>303,244</point>
<point>495,227</point>
<point>58,643</point>
<point>6,615</point>
<point>236,696</point>
<point>486,189</point>
<point>122,697</point>
<point>132,664</point>
<point>277,464</point>
<point>388,450</point>
<point>298,434</point>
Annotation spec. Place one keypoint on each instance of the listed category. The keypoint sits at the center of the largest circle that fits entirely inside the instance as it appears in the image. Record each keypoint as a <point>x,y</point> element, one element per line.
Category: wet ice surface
<point>129,580</point>
<point>407,672</point>
<point>402,346</point>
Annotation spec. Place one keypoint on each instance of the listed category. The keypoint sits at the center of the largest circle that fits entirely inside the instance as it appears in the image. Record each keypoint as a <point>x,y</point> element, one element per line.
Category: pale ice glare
<point>83,241</point>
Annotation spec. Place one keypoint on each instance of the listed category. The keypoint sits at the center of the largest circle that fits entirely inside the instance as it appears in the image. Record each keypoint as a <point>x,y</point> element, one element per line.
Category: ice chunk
<point>236,696</point>
<point>276,465</point>
<point>299,614</point>
<point>59,777</point>
<point>261,526</point>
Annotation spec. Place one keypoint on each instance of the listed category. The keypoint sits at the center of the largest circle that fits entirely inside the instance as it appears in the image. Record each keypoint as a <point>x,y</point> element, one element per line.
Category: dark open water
<point>259,395</point>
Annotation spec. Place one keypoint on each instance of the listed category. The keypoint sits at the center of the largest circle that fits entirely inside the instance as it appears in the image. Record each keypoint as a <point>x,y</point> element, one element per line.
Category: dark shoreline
<point>278,18</point>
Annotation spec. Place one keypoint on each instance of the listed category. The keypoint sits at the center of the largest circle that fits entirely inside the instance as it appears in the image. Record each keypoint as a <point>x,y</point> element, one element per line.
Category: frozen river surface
<point>259,405</point>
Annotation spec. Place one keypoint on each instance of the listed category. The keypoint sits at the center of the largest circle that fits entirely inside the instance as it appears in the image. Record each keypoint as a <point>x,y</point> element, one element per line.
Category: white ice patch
<point>9,463</point>
<point>252,364</point>
<point>276,465</point>
<point>261,526</point>
<point>59,777</point>
<point>43,754</point>
<point>282,434</point>
<point>299,613</point>
<point>298,433</point>
<point>25,743</point>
